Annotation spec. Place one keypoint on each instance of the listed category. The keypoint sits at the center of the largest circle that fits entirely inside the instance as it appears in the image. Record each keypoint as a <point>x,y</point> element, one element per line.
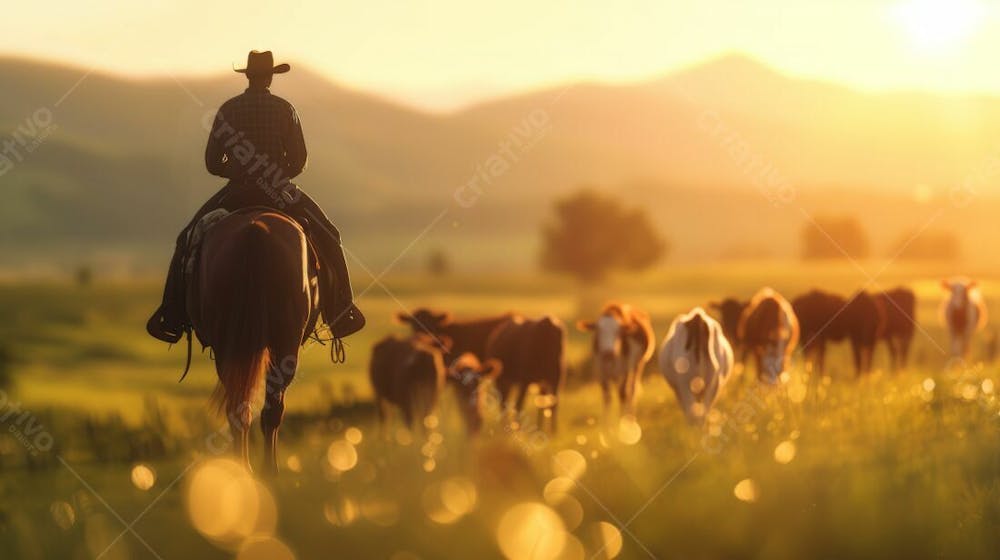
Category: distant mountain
<point>120,166</point>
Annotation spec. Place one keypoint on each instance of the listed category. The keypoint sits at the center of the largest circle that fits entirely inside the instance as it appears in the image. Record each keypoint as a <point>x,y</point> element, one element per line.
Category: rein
<point>187,364</point>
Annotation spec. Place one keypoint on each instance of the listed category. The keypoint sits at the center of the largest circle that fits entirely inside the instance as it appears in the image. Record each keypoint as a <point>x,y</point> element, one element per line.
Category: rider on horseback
<point>256,142</point>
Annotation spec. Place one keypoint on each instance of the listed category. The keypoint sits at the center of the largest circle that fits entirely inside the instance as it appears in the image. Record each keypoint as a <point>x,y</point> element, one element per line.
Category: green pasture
<point>893,465</point>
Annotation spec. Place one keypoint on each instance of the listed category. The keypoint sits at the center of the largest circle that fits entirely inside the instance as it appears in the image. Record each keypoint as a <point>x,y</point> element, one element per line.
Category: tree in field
<point>592,234</point>
<point>437,263</point>
<point>832,237</point>
<point>927,245</point>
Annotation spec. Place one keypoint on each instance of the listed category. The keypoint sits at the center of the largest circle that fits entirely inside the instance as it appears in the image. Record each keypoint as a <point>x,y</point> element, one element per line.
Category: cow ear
<point>715,304</point>
<point>491,369</point>
<point>444,342</point>
<point>442,318</point>
<point>584,325</point>
<point>946,284</point>
<point>402,318</point>
<point>972,284</point>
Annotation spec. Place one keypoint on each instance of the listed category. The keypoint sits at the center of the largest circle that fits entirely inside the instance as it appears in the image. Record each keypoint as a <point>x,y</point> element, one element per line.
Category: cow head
<point>959,289</point>
<point>424,320</point>
<point>434,342</point>
<point>608,332</point>
<point>468,376</point>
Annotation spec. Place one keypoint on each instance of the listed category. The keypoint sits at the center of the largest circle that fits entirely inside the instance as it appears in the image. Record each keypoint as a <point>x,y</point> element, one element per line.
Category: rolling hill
<point>117,168</point>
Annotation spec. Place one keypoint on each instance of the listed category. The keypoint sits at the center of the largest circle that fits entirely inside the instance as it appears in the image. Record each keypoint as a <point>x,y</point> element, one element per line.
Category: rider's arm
<point>215,152</point>
<point>295,147</point>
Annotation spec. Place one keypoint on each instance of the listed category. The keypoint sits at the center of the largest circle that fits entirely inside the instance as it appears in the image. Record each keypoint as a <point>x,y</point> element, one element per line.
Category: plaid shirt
<point>255,135</point>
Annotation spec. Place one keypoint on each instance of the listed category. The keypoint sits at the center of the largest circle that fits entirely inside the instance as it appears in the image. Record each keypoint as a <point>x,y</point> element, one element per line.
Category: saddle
<point>192,256</point>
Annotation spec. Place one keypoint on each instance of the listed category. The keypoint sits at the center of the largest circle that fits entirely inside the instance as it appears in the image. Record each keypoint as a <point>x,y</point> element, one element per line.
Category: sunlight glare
<point>938,25</point>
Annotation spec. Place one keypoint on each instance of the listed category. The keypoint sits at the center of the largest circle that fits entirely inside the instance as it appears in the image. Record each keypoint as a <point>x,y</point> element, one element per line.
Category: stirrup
<point>338,354</point>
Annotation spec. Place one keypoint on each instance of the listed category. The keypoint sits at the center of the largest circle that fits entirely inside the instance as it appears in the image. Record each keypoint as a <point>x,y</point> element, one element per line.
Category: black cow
<point>730,310</point>
<point>531,352</point>
<point>864,321</point>
<point>465,336</point>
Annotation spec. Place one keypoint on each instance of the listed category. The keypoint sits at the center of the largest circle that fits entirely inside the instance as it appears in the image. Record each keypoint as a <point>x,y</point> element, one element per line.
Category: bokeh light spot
<point>746,490</point>
<point>531,531</point>
<point>143,476</point>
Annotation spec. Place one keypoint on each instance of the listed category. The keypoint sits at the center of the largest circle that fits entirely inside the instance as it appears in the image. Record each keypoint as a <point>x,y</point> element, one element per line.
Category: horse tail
<point>241,337</point>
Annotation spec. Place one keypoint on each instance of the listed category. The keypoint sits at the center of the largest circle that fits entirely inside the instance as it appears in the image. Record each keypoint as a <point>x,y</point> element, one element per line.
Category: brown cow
<point>531,352</point>
<point>729,311</point>
<point>817,312</point>
<point>409,373</point>
<point>900,305</point>
<point>467,375</point>
<point>770,332</point>
<point>465,336</point>
<point>825,317</point>
<point>623,344</point>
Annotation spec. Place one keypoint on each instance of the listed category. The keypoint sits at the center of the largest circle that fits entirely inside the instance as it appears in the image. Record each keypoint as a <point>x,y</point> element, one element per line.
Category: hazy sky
<point>446,52</point>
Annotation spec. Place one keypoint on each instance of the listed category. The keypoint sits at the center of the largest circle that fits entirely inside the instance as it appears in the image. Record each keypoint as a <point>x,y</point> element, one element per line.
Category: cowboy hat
<point>262,63</point>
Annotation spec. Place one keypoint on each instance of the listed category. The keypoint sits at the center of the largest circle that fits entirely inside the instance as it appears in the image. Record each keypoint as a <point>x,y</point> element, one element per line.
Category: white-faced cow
<point>769,331</point>
<point>468,376</point>
<point>623,343</point>
<point>531,352</point>
<point>900,305</point>
<point>964,314</point>
<point>409,373</point>
<point>696,360</point>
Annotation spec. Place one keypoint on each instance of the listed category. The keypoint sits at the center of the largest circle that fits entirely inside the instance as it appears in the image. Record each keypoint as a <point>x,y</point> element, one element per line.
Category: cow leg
<point>623,397</point>
<point>892,343</point>
<point>904,351</point>
<point>856,354</point>
<point>380,410</point>
<point>408,417</point>
<point>554,416</point>
<point>821,358</point>
<point>522,394</point>
<point>708,398</point>
<point>606,392</point>
<point>686,400</point>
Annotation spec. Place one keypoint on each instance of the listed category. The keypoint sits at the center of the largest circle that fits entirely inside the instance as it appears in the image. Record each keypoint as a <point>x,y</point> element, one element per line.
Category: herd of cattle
<point>697,355</point>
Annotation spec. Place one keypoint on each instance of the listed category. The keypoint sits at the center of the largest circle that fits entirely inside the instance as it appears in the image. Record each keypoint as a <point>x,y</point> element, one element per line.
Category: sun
<point>938,25</point>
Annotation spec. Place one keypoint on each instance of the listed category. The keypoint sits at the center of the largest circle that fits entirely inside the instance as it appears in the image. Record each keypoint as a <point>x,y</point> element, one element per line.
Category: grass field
<point>893,465</point>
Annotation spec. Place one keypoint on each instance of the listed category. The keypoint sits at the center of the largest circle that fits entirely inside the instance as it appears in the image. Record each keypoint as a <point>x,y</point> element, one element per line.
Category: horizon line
<point>384,92</point>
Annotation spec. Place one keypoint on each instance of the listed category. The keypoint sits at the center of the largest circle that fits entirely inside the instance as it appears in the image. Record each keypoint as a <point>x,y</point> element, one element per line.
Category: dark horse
<point>254,302</point>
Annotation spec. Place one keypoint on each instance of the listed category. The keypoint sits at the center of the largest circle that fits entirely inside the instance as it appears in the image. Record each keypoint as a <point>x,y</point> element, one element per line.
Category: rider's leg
<point>339,309</point>
<point>170,320</point>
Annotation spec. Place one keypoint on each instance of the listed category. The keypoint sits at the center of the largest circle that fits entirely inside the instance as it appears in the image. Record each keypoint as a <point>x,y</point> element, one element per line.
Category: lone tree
<point>437,263</point>
<point>833,237</point>
<point>592,234</point>
<point>927,246</point>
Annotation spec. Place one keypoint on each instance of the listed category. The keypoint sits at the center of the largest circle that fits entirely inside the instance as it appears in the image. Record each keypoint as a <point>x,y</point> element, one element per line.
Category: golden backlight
<point>939,25</point>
